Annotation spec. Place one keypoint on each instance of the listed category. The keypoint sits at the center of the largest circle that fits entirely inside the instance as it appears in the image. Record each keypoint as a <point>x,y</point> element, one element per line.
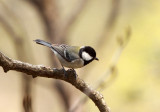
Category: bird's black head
<point>88,54</point>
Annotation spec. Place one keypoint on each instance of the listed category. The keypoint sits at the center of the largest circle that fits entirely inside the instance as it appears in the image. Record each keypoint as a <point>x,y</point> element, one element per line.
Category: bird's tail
<point>42,42</point>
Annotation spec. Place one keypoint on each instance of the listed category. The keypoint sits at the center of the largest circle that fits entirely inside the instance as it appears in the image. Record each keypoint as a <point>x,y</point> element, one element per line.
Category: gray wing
<point>72,53</point>
<point>69,53</point>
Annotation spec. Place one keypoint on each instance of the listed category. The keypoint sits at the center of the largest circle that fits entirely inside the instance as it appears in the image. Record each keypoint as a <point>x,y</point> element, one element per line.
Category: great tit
<point>71,56</point>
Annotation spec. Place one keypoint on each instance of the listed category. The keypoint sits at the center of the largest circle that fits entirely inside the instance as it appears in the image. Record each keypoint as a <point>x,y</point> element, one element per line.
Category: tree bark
<point>42,71</point>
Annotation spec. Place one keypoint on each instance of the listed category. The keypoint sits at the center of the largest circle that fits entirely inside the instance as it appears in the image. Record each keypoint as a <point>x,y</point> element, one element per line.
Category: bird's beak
<point>96,59</point>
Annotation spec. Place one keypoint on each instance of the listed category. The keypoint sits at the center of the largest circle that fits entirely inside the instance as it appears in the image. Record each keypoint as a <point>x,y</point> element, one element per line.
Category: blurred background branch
<point>19,41</point>
<point>110,75</point>
<point>110,21</point>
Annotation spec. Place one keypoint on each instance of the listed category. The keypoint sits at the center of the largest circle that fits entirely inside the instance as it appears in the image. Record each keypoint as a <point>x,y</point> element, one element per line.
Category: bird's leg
<point>75,73</point>
<point>65,74</point>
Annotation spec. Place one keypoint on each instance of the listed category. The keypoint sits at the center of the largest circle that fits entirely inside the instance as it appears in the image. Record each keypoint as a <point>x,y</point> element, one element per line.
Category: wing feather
<point>69,53</point>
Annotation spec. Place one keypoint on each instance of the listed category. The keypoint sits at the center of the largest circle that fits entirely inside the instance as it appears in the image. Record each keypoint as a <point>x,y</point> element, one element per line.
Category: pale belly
<point>75,64</point>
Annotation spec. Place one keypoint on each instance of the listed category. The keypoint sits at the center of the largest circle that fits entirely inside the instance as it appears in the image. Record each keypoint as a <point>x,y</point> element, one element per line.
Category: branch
<point>111,72</point>
<point>42,71</point>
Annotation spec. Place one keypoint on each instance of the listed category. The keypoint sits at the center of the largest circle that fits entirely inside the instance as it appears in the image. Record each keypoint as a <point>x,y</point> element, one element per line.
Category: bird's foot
<point>65,73</point>
<point>75,74</point>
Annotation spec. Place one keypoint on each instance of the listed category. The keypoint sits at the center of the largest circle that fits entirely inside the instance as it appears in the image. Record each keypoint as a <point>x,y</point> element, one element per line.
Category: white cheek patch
<point>86,56</point>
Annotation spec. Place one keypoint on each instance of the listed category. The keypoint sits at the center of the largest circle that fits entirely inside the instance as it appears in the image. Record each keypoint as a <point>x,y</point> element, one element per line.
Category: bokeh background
<point>125,34</point>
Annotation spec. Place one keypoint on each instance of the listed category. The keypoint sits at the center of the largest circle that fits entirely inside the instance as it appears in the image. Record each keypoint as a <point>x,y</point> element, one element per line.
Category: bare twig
<point>113,14</point>
<point>42,71</point>
<point>122,42</point>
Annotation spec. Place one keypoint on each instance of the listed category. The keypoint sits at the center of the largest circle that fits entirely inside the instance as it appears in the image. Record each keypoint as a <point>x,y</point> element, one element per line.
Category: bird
<point>71,56</point>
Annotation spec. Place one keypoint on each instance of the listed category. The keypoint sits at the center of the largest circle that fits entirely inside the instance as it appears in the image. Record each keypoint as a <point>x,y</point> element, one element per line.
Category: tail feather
<point>42,42</point>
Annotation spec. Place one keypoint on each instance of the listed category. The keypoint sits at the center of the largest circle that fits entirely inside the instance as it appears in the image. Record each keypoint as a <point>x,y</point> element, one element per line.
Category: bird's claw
<point>75,74</point>
<point>65,73</point>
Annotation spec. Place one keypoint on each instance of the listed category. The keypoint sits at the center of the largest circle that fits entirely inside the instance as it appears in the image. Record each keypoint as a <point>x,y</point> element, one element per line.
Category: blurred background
<point>125,34</point>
